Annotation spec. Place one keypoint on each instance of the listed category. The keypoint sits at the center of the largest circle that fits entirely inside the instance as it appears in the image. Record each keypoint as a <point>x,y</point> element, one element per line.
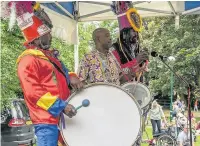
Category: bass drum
<point>113,117</point>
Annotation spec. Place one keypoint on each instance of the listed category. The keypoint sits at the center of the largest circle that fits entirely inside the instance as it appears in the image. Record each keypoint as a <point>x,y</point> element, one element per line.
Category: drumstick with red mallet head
<point>85,103</point>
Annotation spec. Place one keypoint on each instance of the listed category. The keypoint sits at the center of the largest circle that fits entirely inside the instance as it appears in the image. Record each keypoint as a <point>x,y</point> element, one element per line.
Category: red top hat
<point>31,25</point>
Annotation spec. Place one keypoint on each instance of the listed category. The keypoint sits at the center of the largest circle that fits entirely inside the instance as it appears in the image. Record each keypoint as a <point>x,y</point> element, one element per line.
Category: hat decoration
<point>31,19</point>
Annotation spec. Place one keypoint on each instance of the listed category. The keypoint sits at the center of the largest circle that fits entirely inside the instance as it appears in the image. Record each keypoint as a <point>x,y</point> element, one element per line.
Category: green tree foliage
<point>11,47</point>
<point>85,37</point>
<point>183,43</point>
<point>66,52</point>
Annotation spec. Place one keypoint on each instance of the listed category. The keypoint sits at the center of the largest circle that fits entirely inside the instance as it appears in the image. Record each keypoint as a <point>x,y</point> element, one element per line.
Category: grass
<point>198,118</point>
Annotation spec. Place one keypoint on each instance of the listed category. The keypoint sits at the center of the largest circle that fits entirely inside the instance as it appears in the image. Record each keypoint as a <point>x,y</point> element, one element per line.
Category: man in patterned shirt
<point>98,65</point>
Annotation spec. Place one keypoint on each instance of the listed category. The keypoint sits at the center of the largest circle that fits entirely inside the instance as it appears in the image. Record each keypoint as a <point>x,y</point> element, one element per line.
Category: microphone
<point>155,54</point>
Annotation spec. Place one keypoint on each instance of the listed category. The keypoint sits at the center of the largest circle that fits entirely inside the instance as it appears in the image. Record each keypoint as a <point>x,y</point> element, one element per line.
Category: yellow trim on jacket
<point>33,52</point>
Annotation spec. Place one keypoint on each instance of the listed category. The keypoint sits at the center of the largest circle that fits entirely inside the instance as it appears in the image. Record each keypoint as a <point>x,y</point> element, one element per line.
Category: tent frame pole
<point>76,46</point>
<point>76,51</point>
<point>96,3</point>
<point>153,10</point>
<point>191,11</point>
<point>63,9</point>
<point>172,8</point>
<point>96,13</point>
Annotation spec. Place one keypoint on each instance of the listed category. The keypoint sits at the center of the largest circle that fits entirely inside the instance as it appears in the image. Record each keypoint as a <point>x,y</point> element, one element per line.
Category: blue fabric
<point>179,104</point>
<point>57,107</point>
<point>191,5</point>
<point>47,135</point>
<point>69,6</point>
<point>53,7</point>
<point>66,72</point>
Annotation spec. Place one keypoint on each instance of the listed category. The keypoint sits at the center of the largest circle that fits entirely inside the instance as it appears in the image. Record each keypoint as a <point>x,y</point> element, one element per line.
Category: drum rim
<point>103,83</point>
<point>145,87</point>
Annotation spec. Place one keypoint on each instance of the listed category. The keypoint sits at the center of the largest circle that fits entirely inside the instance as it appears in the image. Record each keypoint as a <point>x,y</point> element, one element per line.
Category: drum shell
<point>142,90</point>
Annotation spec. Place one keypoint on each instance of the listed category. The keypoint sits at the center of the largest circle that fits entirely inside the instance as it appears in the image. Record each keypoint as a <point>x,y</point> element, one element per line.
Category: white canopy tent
<point>66,15</point>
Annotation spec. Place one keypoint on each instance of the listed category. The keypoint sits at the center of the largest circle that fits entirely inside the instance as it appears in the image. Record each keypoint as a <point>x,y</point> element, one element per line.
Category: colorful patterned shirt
<point>96,67</point>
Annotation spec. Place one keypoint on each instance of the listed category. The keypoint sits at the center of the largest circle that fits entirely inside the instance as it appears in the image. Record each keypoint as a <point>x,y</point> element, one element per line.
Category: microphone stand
<point>189,103</point>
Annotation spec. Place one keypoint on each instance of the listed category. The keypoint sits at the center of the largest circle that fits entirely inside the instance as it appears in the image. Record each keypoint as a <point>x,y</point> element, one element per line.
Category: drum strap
<point>62,120</point>
<point>58,68</point>
<point>119,66</point>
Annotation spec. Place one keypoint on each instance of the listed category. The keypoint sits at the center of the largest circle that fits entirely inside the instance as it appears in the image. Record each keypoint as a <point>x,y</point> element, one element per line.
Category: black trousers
<point>156,124</point>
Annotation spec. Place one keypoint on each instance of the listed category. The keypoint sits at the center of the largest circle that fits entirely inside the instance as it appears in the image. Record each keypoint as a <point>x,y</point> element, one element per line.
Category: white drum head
<point>141,93</point>
<point>113,118</point>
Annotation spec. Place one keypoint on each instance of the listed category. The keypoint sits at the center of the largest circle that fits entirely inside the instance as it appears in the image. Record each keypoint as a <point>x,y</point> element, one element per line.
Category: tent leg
<point>76,51</point>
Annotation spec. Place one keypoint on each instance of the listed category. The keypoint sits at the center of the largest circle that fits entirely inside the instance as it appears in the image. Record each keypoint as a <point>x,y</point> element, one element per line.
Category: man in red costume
<point>41,75</point>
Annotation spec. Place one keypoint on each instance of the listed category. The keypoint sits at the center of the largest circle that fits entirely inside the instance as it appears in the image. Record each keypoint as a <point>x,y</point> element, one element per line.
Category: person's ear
<point>97,39</point>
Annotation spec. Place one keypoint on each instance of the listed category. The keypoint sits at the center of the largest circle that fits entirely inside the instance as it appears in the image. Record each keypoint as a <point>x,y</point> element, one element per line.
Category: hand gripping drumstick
<point>138,79</point>
<point>85,103</point>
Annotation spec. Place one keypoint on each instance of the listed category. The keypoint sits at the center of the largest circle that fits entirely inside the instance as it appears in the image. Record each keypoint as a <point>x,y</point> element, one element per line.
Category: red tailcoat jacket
<point>45,88</point>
